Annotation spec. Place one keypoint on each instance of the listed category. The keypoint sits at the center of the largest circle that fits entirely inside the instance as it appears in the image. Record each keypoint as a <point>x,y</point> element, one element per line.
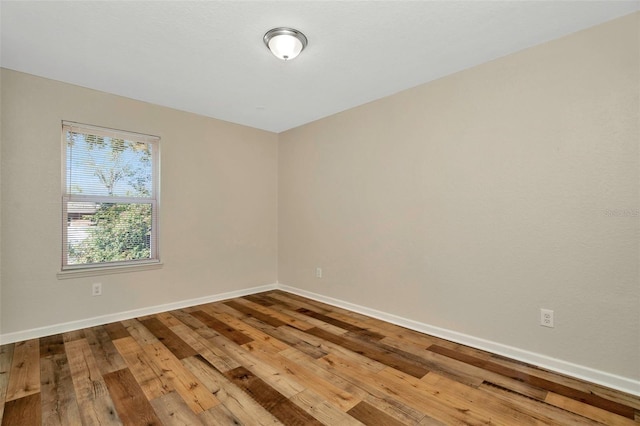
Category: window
<point>109,197</point>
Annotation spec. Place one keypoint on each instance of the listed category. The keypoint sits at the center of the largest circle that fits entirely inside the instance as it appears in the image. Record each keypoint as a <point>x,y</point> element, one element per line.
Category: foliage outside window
<point>110,197</point>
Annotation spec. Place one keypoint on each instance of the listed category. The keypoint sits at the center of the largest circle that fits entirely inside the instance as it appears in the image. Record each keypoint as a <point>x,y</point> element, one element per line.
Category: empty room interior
<point>424,213</point>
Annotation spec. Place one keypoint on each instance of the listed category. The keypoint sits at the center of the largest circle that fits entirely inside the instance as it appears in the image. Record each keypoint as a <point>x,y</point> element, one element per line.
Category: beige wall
<point>471,202</point>
<point>218,205</point>
<point>467,203</point>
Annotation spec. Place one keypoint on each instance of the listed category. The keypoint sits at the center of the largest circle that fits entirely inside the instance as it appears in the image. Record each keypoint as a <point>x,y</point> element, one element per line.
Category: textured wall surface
<point>468,203</point>
<point>218,214</point>
<point>471,202</point>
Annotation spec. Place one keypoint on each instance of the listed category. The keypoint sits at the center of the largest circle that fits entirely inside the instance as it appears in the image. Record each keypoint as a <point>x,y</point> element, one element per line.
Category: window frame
<point>99,268</point>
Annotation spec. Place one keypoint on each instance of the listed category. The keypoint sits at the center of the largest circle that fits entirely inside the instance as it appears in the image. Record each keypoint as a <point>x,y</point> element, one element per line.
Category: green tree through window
<point>110,197</point>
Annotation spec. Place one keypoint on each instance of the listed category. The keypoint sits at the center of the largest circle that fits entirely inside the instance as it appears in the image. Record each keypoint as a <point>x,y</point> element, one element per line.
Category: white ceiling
<point>208,57</point>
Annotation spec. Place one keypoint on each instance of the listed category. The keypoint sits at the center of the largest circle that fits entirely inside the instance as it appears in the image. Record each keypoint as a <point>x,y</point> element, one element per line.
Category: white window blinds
<point>110,191</point>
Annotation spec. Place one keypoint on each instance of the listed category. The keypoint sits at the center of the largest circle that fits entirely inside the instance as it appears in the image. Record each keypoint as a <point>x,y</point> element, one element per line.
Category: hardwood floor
<point>277,358</point>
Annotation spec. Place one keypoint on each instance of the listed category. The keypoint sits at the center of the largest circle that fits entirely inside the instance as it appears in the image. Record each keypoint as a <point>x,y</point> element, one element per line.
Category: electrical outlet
<point>318,272</point>
<point>96,289</point>
<point>546,318</point>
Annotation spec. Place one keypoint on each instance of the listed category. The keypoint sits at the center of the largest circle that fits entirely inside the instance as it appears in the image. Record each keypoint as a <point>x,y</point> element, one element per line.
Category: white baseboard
<point>120,316</point>
<point>564,367</point>
<point>557,365</point>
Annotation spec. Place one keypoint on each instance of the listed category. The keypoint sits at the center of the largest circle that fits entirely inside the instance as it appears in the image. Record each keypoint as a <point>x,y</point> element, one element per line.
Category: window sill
<point>106,270</point>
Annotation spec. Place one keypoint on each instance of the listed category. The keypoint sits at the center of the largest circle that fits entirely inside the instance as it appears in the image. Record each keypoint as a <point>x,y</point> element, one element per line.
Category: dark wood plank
<point>260,299</point>
<point>587,398</point>
<point>175,344</point>
<point>531,407</point>
<point>386,357</point>
<point>25,411</point>
<point>237,403</point>
<point>282,334</point>
<point>222,328</point>
<point>261,392</point>
<point>152,381</point>
<point>195,395</point>
<point>51,345</point>
<point>274,322</point>
<point>370,415</point>
<point>116,330</point>
<point>295,320</point>
<point>129,400</point>
<point>276,358</point>
<point>281,302</point>
<point>369,334</point>
<point>70,336</point>
<point>283,409</point>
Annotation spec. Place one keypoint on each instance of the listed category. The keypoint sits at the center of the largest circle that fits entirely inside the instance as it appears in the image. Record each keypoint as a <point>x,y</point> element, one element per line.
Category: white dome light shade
<point>285,46</point>
<point>285,43</point>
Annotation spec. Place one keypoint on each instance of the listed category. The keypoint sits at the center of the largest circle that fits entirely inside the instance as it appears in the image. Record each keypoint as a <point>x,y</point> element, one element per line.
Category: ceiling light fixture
<point>285,43</point>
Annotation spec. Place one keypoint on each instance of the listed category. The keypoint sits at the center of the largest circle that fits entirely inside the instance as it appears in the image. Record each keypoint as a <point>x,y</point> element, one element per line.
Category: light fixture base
<point>285,43</point>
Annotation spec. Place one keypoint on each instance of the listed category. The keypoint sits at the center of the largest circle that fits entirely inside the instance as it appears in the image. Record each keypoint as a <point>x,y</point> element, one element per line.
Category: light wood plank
<point>298,372</point>
<point>284,384</point>
<point>219,415</point>
<point>531,407</point>
<point>186,384</point>
<point>206,349</point>
<point>430,421</point>
<point>311,364</point>
<point>394,408</point>
<point>332,348</point>
<point>94,401</point>
<point>354,383</point>
<point>378,386</point>
<point>244,361</point>
<point>282,334</point>
<point>105,353</point>
<point>148,375</point>
<point>139,332</point>
<point>239,403</point>
<point>24,375</point>
<point>168,319</point>
<point>594,413</point>
<point>172,411</point>
<point>373,351</point>
<point>58,397</point>
<point>6,356</point>
<point>445,366</point>
<point>534,380</point>
<point>589,388</point>
<point>322,410</point>
<point>477,404</point>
